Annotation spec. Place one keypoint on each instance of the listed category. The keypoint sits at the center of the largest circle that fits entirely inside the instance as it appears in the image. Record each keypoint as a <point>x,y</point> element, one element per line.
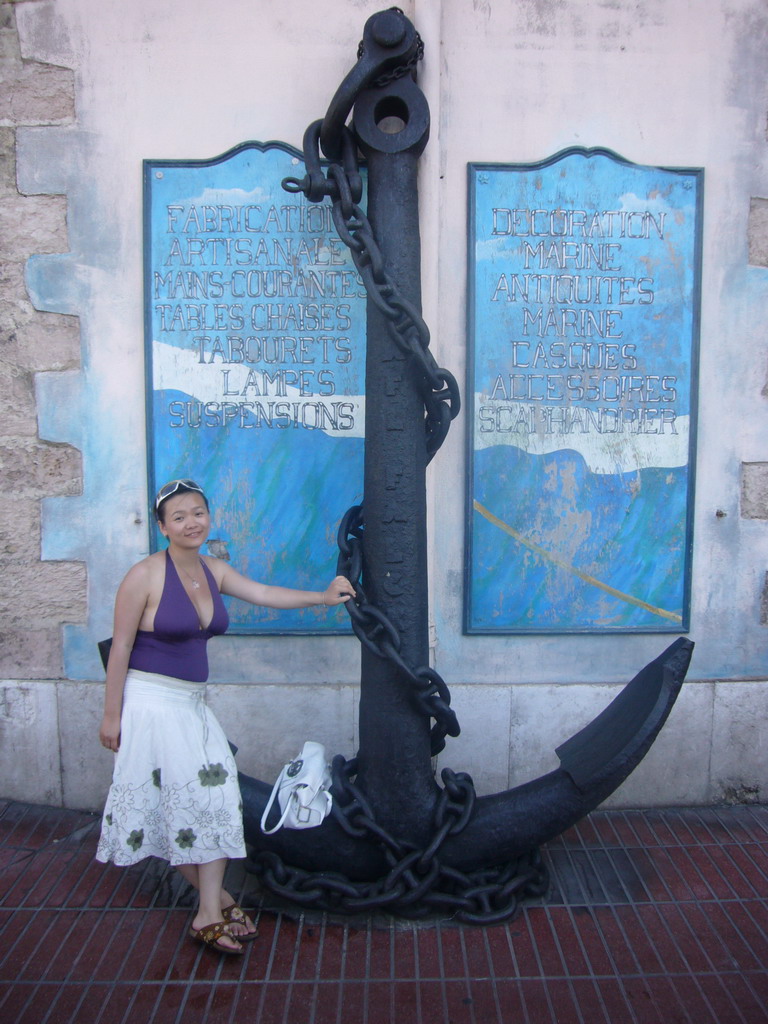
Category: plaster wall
<point>669,82</point>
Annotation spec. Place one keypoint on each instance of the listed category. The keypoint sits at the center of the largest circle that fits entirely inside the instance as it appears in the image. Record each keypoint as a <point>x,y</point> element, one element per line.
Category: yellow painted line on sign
<point>570,568</point>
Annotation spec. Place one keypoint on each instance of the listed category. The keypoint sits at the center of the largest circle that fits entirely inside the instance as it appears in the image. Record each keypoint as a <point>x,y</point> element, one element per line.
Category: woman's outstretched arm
<point>234,584</point>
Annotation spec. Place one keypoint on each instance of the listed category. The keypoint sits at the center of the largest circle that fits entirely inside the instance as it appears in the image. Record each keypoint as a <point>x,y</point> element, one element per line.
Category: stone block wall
<point>37,596</point>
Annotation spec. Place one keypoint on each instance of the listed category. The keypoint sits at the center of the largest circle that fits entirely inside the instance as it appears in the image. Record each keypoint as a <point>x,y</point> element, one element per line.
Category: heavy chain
<point>375,630</point>
<point>438,386</point>
<point>343,185</point>
<point>439,390</point>
<point>417,884</point>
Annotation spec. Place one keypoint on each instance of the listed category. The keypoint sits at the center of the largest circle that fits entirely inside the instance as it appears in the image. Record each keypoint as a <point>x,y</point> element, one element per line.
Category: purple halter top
<point>177,645</point>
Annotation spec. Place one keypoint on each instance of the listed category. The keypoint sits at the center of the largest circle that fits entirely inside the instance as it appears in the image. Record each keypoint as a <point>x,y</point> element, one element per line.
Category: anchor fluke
<point>621,734</point>
<point>594,763</point>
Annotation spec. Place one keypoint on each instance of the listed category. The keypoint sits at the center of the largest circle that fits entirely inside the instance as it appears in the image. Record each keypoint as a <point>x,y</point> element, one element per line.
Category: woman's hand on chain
<point>337,592</point>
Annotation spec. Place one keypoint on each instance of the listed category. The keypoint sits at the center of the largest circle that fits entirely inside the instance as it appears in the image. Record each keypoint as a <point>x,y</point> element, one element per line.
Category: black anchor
<point>395,839</point>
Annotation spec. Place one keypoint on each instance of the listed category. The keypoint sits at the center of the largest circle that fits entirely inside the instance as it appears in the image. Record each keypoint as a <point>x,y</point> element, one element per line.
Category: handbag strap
<point>267,809</point>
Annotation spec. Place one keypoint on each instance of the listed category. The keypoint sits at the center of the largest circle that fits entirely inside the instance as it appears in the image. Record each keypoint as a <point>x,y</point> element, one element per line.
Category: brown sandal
<point>233,914</point>
<point>212,933</point>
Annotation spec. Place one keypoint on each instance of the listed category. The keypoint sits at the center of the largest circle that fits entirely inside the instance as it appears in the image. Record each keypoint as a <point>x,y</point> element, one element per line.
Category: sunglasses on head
<point>168,489</point>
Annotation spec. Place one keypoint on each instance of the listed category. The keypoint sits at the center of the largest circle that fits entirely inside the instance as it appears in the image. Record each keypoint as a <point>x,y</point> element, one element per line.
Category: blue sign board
<point>584,276</point>
<point>255,336</point>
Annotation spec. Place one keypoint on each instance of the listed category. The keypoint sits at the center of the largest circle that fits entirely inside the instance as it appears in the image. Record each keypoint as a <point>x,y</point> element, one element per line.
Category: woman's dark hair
<point>173,488</point>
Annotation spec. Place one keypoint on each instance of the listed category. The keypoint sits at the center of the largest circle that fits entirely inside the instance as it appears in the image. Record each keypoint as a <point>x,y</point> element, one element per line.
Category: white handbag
<point>302,791</point>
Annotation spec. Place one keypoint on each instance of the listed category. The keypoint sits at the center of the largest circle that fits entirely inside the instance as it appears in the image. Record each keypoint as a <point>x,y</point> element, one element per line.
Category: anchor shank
<point>394,756</point>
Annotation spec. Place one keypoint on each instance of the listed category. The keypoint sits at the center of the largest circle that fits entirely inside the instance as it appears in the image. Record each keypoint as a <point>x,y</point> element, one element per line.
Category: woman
<point>174,792</point>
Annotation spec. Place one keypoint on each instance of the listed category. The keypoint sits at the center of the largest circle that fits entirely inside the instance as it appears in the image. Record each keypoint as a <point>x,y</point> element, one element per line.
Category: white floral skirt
<point>174,791</point>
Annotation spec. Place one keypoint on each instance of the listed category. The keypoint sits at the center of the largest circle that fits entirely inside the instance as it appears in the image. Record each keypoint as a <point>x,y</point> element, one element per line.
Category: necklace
<point>195,583</point>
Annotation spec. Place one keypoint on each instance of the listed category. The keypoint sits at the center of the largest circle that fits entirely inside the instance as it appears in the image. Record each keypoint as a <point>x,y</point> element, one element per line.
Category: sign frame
<point>306,560</point>
<point>530,615</point>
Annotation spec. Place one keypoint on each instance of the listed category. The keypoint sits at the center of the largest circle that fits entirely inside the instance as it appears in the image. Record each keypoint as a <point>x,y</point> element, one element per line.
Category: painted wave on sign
<point>570,530</point>
<point>621,448</point>
<point>277,497</point>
